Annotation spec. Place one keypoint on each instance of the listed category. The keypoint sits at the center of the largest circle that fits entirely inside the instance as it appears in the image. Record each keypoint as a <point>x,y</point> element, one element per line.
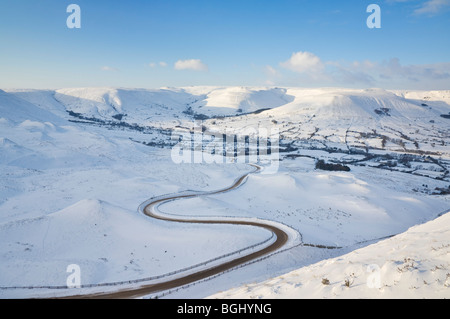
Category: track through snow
<point>283,234</point>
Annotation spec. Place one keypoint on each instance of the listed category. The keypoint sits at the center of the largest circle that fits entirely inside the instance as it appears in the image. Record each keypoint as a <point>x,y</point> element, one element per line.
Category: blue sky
<point>150,44</point>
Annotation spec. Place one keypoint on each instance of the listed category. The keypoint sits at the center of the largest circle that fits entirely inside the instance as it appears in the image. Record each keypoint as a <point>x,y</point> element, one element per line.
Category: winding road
<point>150,209</point>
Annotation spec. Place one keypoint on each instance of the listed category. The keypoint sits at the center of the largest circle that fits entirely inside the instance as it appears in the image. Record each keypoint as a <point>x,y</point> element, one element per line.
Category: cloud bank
<point>193,64</point>
<point>307,68</point>
<point>428,7</point>
<point>432,7</point>
<point>303,62</point>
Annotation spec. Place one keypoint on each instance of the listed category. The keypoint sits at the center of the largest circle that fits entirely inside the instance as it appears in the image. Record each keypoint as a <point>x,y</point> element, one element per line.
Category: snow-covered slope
<point>132,106</point>
<point>414,122</point>
<point>16,110</point>
<point>347,119</point>
<point>76,163</point>
<point>230,101</point>
<point>371,118</point>
<point>327,208</point>
<point>147,106</point>
<point>413,265</point>
<point>109,244</point>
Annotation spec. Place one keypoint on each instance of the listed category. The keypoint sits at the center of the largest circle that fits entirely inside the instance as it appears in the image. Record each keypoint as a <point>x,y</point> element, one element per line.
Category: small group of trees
<point>321,164</point>
<point>383,111</point>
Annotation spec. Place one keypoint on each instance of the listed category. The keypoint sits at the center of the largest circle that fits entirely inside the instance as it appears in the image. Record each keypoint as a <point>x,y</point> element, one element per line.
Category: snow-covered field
<point>412,265</point>
<point>75,164</point>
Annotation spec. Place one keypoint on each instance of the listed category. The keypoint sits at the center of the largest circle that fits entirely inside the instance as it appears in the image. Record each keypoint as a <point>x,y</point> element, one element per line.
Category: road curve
<point>281,239</point>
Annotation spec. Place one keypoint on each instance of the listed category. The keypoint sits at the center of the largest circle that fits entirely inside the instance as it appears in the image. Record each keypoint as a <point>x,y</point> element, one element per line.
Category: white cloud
<point>394,69</point>
<point>303,62</point>
<point>193,64</point>
<point>426,7</point>
<point>432,7</point>
<point>271,71</point>
<point>391,73</point>
<point>109,69</point>
<point>154,64</point>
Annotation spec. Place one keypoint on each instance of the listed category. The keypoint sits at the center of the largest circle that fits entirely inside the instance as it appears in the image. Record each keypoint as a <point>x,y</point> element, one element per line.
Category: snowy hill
<point>351,119</point>
<point>16,110</point>
<point>412,265</point>
<point>75,164</point>
<point>97,236</point>
<point>237,100</point>
<point>133,106</point>
<point>147,106</point>
<point>416,122</point>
